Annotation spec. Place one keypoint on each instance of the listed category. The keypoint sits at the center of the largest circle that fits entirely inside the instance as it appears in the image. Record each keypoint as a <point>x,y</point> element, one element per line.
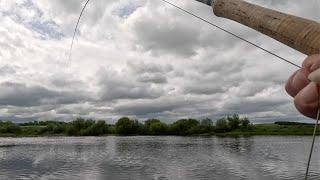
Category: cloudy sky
<point>139,58</point>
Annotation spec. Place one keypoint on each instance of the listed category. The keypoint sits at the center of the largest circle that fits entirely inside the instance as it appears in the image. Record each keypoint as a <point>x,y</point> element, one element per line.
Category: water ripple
<point>157,158</point>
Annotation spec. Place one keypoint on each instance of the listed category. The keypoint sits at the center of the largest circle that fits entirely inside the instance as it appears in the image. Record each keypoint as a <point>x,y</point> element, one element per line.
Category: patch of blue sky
<point>126,11</point>
<point>28,3</point>
<point>45,29</point>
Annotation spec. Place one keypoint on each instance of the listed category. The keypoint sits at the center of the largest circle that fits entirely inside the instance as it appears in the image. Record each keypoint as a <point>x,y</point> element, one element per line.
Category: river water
<point>167,157</point>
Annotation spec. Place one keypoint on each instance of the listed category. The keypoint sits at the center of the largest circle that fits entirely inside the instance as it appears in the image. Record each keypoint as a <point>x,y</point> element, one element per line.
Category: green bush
<point>9,127</point>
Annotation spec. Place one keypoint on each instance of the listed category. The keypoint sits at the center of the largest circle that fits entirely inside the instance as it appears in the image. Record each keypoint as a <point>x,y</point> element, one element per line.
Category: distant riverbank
<point>228,126</point>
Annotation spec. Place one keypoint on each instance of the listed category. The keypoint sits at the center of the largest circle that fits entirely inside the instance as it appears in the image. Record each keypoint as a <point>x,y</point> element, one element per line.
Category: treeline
<point>126,126</point>
<point>183,127</point>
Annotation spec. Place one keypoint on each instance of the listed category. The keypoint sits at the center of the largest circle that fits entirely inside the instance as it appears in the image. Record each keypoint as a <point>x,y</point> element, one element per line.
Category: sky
<point>142,59</point>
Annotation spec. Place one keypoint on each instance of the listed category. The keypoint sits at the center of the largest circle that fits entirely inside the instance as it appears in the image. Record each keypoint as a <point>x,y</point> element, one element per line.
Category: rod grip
<point>298,33</point>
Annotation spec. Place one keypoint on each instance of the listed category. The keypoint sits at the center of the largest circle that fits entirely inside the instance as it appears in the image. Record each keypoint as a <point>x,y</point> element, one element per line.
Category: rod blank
<point>296,32</point>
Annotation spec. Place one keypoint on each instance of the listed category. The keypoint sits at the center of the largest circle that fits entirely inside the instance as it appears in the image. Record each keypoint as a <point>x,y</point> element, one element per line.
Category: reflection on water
<point>263,158</point>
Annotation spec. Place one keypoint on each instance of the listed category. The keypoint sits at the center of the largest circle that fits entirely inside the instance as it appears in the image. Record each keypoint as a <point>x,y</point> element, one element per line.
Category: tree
<point>184,127</point>
<point>96,129</point>
<point>233,121</point>
<point>126,126</point>
<point>206,126</point>
<point>245,122</point>
<point>154,127</point>
<point>151,121</point>
<point>206,122</point>
<point>221,125</point>
<point>71,130</point>
<point>158,128</point>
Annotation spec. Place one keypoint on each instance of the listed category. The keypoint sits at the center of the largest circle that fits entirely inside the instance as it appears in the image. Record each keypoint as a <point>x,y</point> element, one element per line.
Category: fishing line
<point>315,128</point>
<point>314,134</point>
<point>75,29</point>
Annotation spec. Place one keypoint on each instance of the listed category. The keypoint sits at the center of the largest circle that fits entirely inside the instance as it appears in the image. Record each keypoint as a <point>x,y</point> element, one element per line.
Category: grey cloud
<point>226,67</point>
<point>148,107</point>
<point>78,111</point>
<point>16,119</point>
<point>183,35</point>
<point>115,85</point>
<point>143,109</point>
<point>243,105</point>
<point>163,36</point>
<point>204,89</point>
<point>70,6</point>
<point>156,78</point>
<point>63,82</point>
<point>150,72</point>
<point>27,111</point>
<point>17,94</point>
<point>143,67</point>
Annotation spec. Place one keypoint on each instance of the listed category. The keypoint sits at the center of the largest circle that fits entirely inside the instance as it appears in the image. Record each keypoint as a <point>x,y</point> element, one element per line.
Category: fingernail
<point>315,76</point>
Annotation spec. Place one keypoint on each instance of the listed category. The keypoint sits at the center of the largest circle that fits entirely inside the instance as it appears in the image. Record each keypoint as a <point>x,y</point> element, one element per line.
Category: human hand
<point>302,86</point>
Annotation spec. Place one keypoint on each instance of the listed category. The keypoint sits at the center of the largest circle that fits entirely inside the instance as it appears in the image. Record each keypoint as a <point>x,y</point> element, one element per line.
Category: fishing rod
<point>298,33</point>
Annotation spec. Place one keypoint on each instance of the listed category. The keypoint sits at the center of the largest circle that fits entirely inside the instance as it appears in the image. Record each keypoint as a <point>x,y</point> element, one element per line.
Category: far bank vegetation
<point>228,126</point>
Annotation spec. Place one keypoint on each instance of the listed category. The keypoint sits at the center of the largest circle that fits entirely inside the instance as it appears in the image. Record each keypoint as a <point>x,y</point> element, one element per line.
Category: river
<point>166,157</point>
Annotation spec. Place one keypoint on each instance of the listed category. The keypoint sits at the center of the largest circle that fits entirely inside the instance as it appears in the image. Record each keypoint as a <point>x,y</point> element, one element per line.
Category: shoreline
<point>221,135</point>
<point>231,126</point>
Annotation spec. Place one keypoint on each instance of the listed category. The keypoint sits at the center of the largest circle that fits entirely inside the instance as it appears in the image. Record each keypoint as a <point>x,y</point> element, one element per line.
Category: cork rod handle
<point>298,33</point>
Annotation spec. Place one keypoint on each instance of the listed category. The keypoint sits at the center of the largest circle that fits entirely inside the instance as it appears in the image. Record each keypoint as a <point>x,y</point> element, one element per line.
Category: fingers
<point>312,63</point>
<point>306,101</point>
<point>297,82</point>
<point>306,93</point>
<point>315,76</point>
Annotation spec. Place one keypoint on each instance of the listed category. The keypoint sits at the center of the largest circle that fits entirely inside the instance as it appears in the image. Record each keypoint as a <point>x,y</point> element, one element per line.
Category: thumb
<point>315,76</point>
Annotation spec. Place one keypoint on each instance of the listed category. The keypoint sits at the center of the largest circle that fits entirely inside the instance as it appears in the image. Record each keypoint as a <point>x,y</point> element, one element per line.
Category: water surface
<point>185,158</point>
